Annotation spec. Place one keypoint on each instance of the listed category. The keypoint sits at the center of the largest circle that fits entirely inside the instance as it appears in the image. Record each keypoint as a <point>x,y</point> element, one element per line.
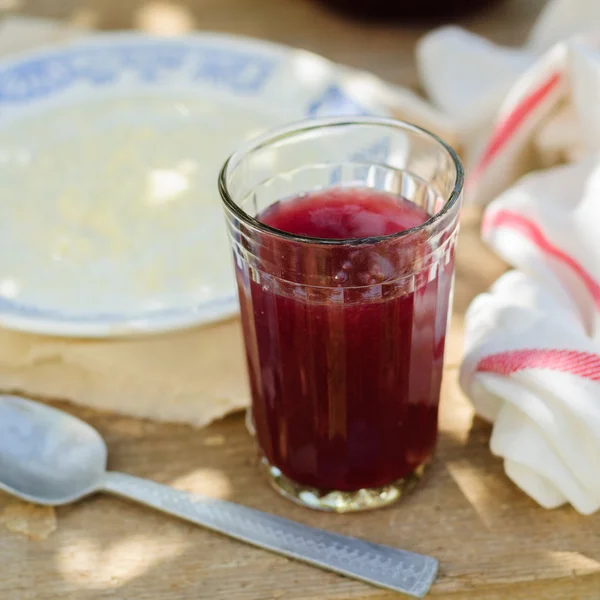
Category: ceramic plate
<point>110,147</point>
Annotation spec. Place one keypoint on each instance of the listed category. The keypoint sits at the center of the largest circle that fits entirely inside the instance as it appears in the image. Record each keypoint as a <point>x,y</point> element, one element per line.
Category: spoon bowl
<point>46,455</point>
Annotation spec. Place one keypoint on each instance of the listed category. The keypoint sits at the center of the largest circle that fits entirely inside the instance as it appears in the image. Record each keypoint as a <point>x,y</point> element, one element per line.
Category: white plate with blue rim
<point>110,147</point>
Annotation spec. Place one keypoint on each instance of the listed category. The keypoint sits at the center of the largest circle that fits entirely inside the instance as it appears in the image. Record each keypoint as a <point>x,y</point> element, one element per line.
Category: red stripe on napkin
<point>508,126</point>
<point>526,227</point>
<point>583,364</point>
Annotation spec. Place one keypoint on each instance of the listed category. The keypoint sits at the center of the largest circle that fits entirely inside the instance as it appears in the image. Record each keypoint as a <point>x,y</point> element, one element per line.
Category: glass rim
<point>298,127</point>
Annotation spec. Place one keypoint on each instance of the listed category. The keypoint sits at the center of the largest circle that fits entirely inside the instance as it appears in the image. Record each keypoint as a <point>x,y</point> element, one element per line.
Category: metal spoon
<point>52,458</point>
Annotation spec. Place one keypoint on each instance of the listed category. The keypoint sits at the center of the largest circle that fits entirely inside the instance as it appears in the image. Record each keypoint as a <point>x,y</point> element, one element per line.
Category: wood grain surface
<point>493,542</point>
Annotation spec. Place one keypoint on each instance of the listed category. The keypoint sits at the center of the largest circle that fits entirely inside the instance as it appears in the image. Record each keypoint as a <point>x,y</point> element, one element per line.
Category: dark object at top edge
<point>406,10</point>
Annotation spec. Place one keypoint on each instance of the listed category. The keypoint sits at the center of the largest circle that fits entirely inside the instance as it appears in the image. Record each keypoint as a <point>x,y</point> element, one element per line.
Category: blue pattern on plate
<point>236,71</point>
<point>335,102</point>
<point>376,153</point>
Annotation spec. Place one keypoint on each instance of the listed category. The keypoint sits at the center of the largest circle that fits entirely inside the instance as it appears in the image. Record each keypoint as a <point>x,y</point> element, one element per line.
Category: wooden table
<point>493,542</point>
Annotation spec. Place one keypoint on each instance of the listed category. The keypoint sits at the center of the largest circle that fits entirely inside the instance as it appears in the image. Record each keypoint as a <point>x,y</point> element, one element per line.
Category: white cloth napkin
<point>529,120</point>
<point>532,362</point>
<point>523,108</point>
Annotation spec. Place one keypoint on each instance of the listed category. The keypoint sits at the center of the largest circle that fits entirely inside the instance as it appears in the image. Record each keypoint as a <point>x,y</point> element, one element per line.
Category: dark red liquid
<point>345,374</point>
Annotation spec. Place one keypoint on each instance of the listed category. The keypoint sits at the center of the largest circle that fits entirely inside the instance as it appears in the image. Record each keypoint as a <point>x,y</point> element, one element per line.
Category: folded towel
<point>532,362</point>
<point>529,121</point>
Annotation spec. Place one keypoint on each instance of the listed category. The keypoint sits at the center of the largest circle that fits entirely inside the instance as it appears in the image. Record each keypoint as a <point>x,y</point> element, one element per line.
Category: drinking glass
<point>345,372</point>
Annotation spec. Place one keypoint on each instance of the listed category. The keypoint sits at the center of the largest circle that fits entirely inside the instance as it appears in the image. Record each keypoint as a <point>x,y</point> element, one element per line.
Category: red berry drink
<point>346,383</point>
<point>344,296</point>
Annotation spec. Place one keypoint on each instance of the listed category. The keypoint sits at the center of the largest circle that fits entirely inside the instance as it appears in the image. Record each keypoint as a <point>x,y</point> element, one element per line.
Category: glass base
<point>341,502</point>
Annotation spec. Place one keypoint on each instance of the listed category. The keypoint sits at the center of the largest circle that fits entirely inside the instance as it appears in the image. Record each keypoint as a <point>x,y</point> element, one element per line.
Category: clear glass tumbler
<point>345,372</point>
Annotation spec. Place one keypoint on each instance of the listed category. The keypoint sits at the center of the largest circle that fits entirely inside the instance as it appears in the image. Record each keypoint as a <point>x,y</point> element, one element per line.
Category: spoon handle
<point>383,566</point>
